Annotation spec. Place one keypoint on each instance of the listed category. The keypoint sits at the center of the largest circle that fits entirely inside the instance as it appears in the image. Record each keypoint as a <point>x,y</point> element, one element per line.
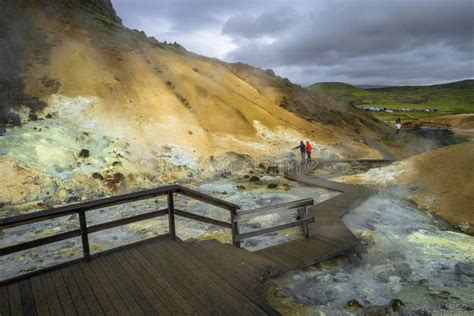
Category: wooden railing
<point>82,208</point>
<point>266,210</point>
<point>84,230</point>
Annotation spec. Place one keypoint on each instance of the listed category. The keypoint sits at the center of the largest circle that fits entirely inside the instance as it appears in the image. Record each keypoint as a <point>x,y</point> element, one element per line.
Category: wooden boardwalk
<point>162,276</point>
<point>167,276</point>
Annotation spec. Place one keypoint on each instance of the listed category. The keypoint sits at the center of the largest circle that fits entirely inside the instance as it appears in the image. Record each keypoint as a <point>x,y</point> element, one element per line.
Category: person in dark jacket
<point>302,148</point>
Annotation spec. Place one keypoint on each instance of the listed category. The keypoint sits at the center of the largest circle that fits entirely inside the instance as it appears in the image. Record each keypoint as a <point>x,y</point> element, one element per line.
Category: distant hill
<point>370,86</point>
<point>449,98</point>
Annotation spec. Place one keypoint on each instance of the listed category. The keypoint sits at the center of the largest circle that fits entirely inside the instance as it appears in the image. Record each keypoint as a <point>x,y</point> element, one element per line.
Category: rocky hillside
<point>89,106</point>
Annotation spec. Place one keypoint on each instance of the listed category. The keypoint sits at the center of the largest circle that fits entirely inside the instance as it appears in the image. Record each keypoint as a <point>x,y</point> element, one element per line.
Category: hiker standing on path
<point>302,148</point>
<point>398,125</point>
<point>309,148</point>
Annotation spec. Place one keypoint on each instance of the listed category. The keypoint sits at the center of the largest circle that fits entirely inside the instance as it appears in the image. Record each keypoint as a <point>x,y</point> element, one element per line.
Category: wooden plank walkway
<point>162,276</point>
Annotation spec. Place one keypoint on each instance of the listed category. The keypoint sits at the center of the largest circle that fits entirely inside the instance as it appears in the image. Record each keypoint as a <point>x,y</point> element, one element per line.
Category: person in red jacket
<point>309,148</point>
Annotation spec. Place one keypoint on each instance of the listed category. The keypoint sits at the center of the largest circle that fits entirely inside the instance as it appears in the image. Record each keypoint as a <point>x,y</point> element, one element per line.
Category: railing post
<point>172,228</point>
<point>84,235</point>
<point>306,230</point>
<point>235,228</point>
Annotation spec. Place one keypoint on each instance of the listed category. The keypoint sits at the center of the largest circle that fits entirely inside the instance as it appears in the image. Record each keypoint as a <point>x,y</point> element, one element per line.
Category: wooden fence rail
<point>270,209</point>
<point>81,210</point>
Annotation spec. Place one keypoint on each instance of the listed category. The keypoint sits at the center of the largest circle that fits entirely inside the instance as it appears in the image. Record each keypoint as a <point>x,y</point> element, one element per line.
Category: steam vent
<point>197,158</point>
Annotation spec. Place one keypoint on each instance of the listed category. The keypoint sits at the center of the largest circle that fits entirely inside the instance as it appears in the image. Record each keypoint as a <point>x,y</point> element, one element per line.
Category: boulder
<point>84,153</point>
<point>97,176</point>
<point>254,179</point>
<point>396,305</point>
<point>272,185</point>
<point>354,305</point>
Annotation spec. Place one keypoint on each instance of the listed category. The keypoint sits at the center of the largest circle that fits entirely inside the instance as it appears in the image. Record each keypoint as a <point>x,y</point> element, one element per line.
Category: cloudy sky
<point>388,42</point>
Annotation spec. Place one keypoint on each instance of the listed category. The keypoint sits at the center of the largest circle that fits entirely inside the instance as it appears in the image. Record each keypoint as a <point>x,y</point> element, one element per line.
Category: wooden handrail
<point>82,208</point>
<point>305,221</point>
<point>85,206</point>
<point>265,210</point>
<point>110,201</point>
<point>202,218</point>
<point>207,199</point>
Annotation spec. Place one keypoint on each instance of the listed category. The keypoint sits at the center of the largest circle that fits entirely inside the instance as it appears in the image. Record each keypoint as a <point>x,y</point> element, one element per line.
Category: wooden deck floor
<point>162,277</point>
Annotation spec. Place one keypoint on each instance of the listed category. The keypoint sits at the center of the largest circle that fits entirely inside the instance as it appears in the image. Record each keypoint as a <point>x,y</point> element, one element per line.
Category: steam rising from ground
<point>409,257</point>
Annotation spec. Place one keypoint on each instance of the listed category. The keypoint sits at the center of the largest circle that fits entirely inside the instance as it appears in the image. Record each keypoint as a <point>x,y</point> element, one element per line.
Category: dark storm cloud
<point>268,23</point>
<point>367,41</point>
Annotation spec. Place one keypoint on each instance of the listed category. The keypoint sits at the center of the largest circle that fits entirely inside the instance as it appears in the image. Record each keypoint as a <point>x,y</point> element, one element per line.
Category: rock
<point>464,268</point>
<point>262,166</point>
<point>396,256</point>
<point>254,179</point>
<point>240,187</point>
<point>272,186</point>
<point>273,170</point>
<point>467,307</point>
<point>116,163</point>
<point>446,306</point>
<point>32,117</point>
<point>354,305</point>
<point>246,176</point>
<point>403,270</point>
<point>73,198</point>
<point>396,305</point>
<point>225,174</point>
<point>84,153</point>
<point>118,177</point>
<point>97,176</point>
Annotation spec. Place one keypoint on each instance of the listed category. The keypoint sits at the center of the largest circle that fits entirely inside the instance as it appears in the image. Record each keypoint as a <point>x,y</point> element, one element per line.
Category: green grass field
<point>450,98</point>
